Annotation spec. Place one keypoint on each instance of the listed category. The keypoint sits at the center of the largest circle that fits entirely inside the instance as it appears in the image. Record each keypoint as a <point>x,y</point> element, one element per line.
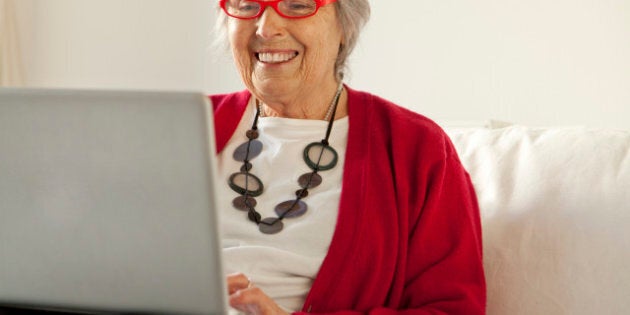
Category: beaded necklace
<point>318,156</point>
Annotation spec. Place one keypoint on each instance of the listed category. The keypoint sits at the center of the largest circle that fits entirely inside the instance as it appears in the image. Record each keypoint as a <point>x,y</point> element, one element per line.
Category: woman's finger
<point>237,281</point>
<point>255,302</point>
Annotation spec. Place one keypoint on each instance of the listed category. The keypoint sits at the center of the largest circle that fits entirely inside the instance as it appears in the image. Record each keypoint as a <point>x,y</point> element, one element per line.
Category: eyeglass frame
<point>274,4</point>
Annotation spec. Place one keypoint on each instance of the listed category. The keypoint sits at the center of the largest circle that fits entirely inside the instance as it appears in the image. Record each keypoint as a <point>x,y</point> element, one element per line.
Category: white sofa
<point>555,207</point>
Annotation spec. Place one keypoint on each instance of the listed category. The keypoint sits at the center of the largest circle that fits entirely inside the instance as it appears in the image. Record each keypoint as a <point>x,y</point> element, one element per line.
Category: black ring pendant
<point>320,157</point>
<point>246,183</point>
<point>271,225</point>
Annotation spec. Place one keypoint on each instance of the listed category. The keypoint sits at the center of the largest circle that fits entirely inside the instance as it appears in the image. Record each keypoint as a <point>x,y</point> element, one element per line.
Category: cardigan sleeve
<point>444,269</point>
<point>445,266</point>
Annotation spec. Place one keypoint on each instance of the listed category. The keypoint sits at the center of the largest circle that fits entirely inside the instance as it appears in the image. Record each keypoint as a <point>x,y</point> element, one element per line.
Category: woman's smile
<point>275,57</point>
<point>287,63</point>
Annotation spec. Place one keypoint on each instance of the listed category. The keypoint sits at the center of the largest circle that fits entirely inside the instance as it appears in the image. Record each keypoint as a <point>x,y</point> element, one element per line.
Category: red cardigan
<point>408,235</point>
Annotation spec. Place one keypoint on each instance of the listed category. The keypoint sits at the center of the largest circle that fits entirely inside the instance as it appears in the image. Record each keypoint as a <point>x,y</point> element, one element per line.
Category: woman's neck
<point>305,105</point>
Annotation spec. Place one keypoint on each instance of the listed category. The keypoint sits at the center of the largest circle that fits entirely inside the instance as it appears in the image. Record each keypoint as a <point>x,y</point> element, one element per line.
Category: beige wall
<point>142,44</point>
<point>10,55</point>
<point>537,62</point>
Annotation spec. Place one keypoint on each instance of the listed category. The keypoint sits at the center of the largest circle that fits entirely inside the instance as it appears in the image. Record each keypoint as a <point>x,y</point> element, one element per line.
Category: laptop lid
<point>107,202</point>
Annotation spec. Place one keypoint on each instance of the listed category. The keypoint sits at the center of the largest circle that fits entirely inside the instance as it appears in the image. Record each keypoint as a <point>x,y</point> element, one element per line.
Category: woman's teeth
<point>276,57</point>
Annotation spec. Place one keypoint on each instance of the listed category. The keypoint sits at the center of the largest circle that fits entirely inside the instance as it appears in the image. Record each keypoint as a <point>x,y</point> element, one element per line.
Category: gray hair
<point>352,15</point>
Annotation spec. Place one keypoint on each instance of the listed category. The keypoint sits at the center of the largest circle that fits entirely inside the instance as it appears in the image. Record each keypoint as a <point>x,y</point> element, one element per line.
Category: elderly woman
<point>336,201</point>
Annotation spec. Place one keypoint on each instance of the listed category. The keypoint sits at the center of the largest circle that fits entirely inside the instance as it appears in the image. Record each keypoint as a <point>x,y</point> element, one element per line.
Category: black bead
<point>246,167</point>
<point>252,134</point>
<point>254,216</point>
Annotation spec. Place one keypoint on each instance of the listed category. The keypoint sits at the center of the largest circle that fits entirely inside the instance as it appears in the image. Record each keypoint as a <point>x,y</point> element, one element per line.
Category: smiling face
<point>287,61</point>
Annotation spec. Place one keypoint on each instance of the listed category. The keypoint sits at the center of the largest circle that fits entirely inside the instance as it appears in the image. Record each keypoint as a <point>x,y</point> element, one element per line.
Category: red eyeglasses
<point>291,9</point>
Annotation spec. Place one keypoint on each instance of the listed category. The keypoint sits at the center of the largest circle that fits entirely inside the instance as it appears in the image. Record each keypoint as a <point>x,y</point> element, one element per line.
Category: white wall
<point>534,62</point>
<point>149,44</point>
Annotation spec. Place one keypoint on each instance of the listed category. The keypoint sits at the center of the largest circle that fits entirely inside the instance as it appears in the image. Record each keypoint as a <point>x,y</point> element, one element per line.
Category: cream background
<point>538,62</point>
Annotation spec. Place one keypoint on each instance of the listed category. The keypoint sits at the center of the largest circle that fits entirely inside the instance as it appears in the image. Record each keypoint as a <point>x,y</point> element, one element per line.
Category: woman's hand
<point>247,298</point>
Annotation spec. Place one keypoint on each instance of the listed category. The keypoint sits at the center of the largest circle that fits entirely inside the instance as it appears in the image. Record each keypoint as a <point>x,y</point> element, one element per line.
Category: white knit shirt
<point>283,265</point>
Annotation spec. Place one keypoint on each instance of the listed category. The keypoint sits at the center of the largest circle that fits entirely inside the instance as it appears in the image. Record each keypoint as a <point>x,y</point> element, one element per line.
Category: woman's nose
<point>270,24</point>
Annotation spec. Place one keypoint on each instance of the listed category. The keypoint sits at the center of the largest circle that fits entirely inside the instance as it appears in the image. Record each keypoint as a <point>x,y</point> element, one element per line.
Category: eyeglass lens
<point>291,8</point>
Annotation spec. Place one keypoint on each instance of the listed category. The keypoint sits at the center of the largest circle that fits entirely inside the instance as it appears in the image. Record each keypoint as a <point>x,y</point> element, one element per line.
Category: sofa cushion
<point>555,207</point>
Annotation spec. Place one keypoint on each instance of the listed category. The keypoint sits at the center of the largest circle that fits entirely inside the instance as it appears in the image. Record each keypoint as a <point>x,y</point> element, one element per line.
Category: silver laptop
<point>107,202</point>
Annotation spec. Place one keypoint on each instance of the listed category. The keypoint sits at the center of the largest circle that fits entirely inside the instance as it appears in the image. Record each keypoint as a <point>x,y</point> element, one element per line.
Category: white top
<point>283,265</point>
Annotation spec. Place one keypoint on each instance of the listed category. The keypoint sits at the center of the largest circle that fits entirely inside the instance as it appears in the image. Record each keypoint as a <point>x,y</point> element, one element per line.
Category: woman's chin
<point>276,86</point>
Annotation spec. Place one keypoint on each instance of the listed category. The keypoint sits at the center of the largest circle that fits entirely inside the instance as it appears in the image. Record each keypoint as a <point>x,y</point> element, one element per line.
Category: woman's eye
<point>297,6</point>
<point>248,6</point>
<point>301,5</point>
